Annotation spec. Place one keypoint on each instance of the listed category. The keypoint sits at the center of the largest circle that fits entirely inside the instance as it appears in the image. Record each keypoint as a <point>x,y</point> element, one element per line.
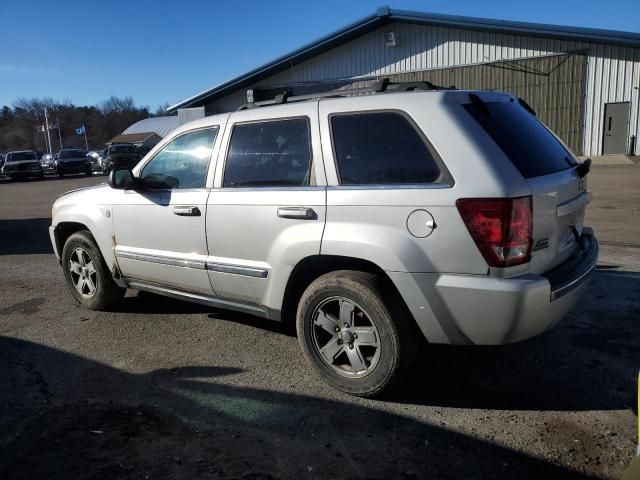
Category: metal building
<point>583,83</point>
<point>161,126</point>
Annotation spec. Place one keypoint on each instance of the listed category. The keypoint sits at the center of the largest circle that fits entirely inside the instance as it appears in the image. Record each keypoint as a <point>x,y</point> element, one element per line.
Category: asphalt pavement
<point>167,389</point>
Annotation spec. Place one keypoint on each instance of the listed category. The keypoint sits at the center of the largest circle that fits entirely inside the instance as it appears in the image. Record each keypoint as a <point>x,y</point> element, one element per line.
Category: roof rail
<point>377,86</point>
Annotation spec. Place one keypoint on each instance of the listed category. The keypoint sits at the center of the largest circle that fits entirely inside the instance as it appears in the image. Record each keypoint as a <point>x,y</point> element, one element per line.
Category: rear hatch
<point>125,159</point>
<point>559,195</point>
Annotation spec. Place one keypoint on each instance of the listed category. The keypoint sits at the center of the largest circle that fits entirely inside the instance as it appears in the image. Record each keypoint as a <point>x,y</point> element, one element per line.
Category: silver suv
<point>371,221</point>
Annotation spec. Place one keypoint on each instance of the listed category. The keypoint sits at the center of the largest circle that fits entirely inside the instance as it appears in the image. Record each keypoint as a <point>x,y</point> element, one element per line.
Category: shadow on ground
<point>98,428</point>
<point>25,236</point>
<point>587,362</point>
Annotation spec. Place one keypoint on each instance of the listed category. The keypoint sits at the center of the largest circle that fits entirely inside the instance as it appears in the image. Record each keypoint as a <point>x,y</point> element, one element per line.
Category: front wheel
<point>355,336</point>
<point>87,274</point>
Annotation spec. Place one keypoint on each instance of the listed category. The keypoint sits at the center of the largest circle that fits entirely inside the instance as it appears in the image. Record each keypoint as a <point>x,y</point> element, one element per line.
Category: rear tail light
<point>501,228</point>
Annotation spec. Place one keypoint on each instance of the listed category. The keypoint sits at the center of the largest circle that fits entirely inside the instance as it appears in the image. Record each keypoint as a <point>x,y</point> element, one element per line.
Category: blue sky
<point>161,51</point>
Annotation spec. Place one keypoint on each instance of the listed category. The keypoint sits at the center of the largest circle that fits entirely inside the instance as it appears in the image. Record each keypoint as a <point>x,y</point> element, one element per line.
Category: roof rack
<point>377,86</point>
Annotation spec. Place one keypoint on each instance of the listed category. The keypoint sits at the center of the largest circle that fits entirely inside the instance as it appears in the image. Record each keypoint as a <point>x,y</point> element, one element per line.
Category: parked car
<point>121,155</point>
<point>143,150</point>
<point>47,162</point>
<point>370,221</point>
<point>93,156</point>
<point>71,161</point>
<point>21,165</point>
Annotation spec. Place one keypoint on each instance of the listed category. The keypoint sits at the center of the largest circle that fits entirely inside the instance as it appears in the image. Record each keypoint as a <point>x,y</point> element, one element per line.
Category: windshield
<point>123,149</point>
<point>530,146</point>
<point>72,154</point>
<point>19,156</point>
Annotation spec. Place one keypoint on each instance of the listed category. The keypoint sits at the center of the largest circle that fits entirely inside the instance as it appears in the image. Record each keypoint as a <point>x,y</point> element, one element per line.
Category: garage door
<point>553,86</point>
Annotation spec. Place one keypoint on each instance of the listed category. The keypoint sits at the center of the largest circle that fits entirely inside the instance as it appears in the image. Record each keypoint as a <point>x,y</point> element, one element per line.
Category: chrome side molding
<point>161,259</point>
<point>200,264</point>
<point>238,270</point>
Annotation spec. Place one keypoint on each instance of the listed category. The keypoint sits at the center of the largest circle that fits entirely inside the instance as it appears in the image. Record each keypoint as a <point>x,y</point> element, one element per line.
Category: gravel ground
<point>166,389</point>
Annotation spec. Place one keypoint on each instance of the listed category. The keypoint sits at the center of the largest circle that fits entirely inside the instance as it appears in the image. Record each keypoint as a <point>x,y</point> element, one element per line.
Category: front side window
<point>182,163</point>
<point>269,154</point>
<point>381,148</point>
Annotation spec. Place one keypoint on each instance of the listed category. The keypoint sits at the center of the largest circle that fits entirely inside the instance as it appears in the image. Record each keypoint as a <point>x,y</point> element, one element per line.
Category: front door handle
<point>186,211</point>
<point>300,213</point>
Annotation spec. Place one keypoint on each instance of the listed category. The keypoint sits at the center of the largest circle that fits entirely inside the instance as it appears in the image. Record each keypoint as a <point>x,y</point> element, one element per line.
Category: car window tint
<point>381,148</point>
<point>269,154</point>
<point>530,146</point>
<point>182,163</point>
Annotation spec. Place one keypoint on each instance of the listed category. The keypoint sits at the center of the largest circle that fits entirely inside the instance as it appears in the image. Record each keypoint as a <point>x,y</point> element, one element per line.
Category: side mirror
<point>121,179</point>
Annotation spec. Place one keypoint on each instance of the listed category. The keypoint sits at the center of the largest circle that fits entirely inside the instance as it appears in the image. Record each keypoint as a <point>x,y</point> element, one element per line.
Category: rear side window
<point>381,148</point>
<point>269,154</point>
<point>532,149</point>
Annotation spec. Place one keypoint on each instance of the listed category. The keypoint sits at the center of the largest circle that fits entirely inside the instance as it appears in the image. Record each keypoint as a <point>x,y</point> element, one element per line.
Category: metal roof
<point>387,15</point>
<point>132,137</point>
<point>161,126</point>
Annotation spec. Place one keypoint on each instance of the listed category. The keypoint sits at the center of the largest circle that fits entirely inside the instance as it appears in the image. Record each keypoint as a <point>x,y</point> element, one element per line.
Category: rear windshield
<point>19,156</point>
<point>123,149</point>
<point>72,154</point>
<point>532,149</point>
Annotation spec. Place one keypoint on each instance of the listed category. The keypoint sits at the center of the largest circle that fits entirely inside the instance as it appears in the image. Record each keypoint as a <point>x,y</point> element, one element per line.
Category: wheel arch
<point>71,218</point>
<point>312,267</point>
<point>64,230</point>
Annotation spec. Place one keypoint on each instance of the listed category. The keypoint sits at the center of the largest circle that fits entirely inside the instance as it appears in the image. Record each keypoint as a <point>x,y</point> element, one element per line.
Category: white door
<point>160,226</point>
<point>267,211</point>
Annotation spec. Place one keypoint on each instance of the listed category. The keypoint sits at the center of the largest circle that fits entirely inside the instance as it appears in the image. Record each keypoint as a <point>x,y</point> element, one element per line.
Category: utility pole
<point>84,130</point>
<point>59,132</point>
<point>46,126</point>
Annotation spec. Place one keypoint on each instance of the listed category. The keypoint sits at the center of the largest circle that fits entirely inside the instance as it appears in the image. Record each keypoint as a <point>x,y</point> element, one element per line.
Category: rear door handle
<point>301,213</point>
<point>186,211</point>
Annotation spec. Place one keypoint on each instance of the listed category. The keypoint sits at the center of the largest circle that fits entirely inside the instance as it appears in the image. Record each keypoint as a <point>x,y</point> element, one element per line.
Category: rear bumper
<point>76,168</point>
<point>472,309</point>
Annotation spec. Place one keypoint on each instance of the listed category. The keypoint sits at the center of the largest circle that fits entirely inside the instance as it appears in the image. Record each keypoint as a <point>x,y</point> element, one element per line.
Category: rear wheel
<point>87,274</point>
<point>356,337</point>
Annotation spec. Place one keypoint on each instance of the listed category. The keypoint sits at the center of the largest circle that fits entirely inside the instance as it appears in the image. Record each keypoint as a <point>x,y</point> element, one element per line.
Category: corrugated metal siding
<point>613,73</point>
<point>555,92</point>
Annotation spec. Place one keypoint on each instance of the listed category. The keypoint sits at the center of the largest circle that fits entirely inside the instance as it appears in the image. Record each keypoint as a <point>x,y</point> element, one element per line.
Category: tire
<point>106,293</point>
<point>89,173</point>
<point>60,173</point>
<point>375,369</point>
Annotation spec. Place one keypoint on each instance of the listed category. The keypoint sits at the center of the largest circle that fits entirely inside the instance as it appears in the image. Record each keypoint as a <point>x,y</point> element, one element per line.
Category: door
<point>160,227</point>
<point>616,127</point>
<point>267,211</point>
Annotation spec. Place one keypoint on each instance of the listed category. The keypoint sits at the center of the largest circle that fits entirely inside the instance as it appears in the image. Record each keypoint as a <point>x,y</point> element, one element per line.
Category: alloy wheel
<point>83,272</point>
<point>345,337</point>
